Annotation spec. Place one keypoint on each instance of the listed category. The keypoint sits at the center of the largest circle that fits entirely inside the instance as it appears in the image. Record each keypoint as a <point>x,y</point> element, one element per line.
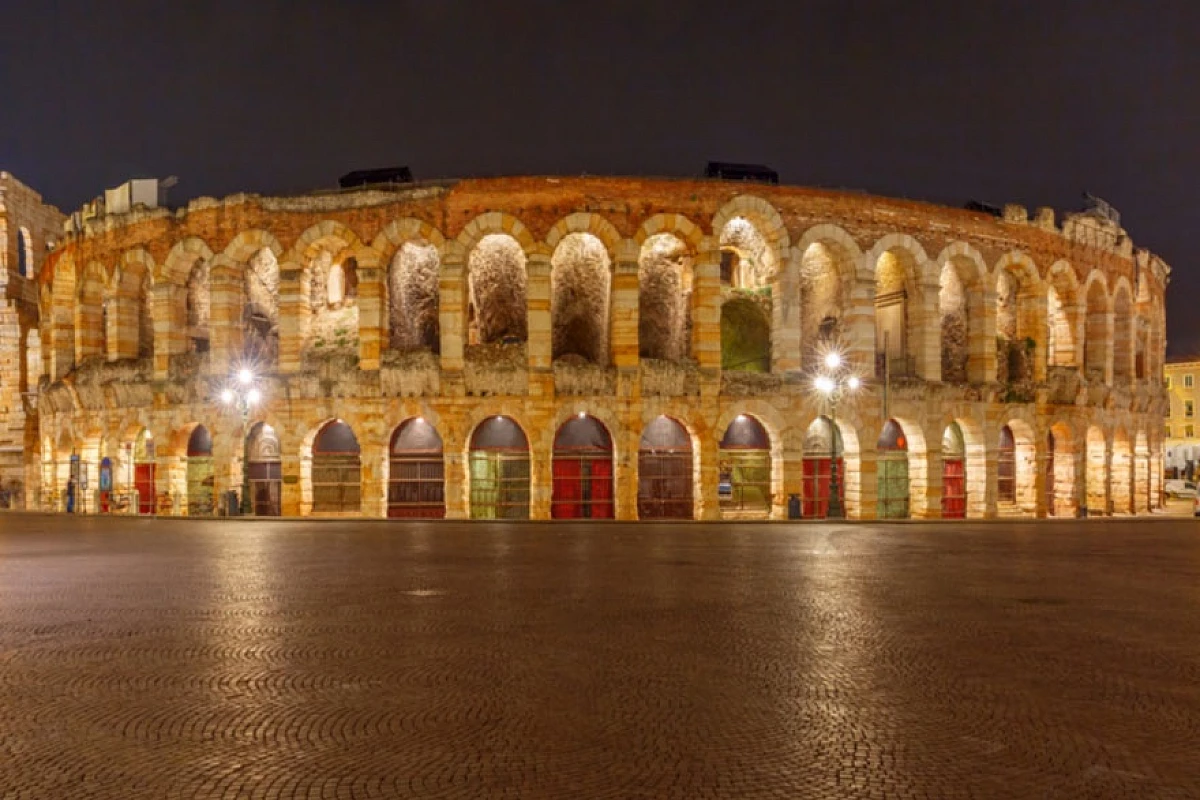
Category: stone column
<point>858,325</point>
<point>225,330</point>
<point>707,503</point>
<point>1110,329</point>
<point>1039,474</point>
<point>862,488</point>
<point>623,330</point>
<point>983,350</point>
<point>791,479</point>
<point>991,457</point>
<point>927,504</point>
<point>540,472</point>
<point>293,318</point>
<point>452,323</point>
<point>706,308</point>
<point>626,467</point>
<point>785,315</point>
<point>456,482</point>
<point>88,330</point>
<point>372,326</point>
<point>169,309</point>
<point>925,332</point>
<point>373,491</point>
<point>538,349</point>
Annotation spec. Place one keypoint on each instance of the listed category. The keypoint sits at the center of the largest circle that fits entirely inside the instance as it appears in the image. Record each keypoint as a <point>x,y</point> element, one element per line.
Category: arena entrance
<point>265,471</point>
<point>336,470</point>
<point>892,468</point>
<point>499,470</point>
<point>583,471</point>
<point>819,447</point>
<point>665,473</point>
<point>1006,467</point>
<point>416,472</point>
<point>199,473</point>
<point>954,473</point>
<point>744,459</point>
<point>143,472</point>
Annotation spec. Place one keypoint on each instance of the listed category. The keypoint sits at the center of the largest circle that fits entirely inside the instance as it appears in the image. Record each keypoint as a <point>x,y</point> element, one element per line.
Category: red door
<point>954,489</point>
<point>143,481</point>
<point>582,488</point>
<point>817,476</point>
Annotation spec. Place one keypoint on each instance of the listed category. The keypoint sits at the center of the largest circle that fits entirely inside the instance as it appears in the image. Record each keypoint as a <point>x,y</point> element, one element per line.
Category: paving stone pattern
<point>176,659</point>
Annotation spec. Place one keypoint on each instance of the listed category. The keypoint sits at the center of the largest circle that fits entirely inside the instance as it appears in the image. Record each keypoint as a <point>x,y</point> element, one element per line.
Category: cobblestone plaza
<point>148,658</point>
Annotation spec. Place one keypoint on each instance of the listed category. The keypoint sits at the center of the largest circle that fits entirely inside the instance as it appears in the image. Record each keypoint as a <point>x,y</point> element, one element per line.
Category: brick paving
<point>166,659</point>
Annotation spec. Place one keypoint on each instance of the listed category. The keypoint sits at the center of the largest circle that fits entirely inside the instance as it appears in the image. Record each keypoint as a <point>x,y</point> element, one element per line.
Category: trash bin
<point>793,506</point>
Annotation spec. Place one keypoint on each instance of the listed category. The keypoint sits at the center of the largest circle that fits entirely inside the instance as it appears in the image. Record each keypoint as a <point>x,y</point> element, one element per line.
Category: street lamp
<point>834,381</point>
<point>243,395</point>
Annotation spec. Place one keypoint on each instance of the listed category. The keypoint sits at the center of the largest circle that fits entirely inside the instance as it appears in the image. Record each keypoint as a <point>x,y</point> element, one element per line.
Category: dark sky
<point>1015,101</point>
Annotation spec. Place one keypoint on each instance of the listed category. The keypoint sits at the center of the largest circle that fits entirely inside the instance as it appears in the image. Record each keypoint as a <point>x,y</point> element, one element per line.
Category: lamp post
<point>243,395</point>
<point>834,381</point>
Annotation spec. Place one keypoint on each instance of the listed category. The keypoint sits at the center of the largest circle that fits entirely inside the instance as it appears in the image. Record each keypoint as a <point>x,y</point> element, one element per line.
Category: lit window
<point>1187,381</point>
<point>1188,431</point>
<point>1189,408</point>
<point>1168,432</point>
<point>1168,381</point>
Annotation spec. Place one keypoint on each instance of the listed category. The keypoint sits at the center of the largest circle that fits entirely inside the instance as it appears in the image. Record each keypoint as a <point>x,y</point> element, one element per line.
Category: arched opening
<point>821,303</point>
<point>580,284</point>
<point>1122,336</point>
<point>496,291</point>
<point>260,314</point>
<point>1060,472</point>
<point>665,471</point>
<point>199,473</point>
<point>265,471</point>
<point>336,470</point>
<point>1016,326</point>
<point>1006,467</point>
<point>1122,473</point>
<point>1097,473</point>
<point>744,464</point>
<point>413,297</point>
<point>416,472</point>
<point>821,441</point>
<point>664,298</point>
<point>91,315</point>
<point>745,335</point>
<point>892,471</point>
<point>893,281</point>
<point>24,253</point>
<point>332,315</point>
<point>583,470</point>
<point>1060,319</point>
<point>198,307</point>
<point>143,472</point>
<point>499,464</point>
<point>1096,335</point>
<point>954,473</point>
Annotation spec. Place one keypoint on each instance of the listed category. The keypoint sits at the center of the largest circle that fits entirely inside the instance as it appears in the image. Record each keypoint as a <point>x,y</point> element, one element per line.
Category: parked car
<point>1178,488</point>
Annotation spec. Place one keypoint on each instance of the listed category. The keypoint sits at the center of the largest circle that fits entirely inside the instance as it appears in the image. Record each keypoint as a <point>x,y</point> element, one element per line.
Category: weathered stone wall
<point>531,323</point>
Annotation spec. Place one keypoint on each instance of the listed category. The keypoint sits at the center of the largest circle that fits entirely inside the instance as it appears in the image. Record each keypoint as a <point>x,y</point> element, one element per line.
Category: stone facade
<point>1019,359</point>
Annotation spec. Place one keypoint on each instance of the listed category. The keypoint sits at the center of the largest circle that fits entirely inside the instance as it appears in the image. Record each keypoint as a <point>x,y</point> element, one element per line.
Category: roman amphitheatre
<point>628,348</point>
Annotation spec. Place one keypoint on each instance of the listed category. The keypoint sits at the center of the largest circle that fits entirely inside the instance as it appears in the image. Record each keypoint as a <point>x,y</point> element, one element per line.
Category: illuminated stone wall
<point>545,298</point>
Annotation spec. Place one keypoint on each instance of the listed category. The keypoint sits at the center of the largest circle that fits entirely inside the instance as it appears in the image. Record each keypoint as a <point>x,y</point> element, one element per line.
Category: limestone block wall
<point>543,299</point>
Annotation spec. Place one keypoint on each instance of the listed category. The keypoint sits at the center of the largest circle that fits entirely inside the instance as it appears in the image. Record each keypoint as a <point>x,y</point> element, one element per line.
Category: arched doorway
<point>665,475</point>
<point>583,471</point>
<point>1006,467</point>
<point>744,461</point>
<point>1096,480</point>
<point>820,441</point>
<point>954,473</point>
<point>416,472</point>
<point>143,471</point>
<point>265,471</point>
<point>199,473</point>
<point>106,484</point>
<point>336,470</point>
<point>499,470</point>
<point>892,472</point>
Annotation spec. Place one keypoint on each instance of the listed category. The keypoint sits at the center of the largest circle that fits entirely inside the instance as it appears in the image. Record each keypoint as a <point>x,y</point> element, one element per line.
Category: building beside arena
<point>589,347</point>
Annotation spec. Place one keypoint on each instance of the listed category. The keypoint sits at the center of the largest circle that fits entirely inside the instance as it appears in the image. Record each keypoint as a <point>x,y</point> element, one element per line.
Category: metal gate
<point>665,476</point>
<point>416,473</point>
<point>1006,467</point>
<point>336,470</point>
<point>266,482</point>
<point>892,473</point>
<point>499,484</point>
<point>954,473</point>
<point>582,471</point>
<point>817,484</point>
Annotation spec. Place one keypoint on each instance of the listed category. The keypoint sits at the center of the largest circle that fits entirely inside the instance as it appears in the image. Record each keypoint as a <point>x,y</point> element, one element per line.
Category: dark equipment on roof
<point>372,177</point>
<point>755,173</point>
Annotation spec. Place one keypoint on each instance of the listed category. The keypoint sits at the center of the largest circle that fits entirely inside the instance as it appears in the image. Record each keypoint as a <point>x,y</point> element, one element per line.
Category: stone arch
<point>766,220</point>
<point>745,335</point>
<point>131,334</point>
<point>1062,315</point>
<point>331,469</point>
<point>328,255</point>
<point>896,261</point>
<point>582,461</point>
<point>61,314</point>
<point>187,266</point>
<point>667,469</point>
<point>1061,460</point>
<point>1017,440</point>
<point>412,290</point>
<point>499,476</point>
<point>416,471</point>
<point>961,271</point>
<point>25,262</point>
<point>1097,343</point>
<point>259,315</point>
<point>496,290</point>
<point>827,259</point>
<point>585,223</point>
<point>181,259</point>
<point>496,222</point>
<point>825,438</point>
<point>974,469</point>
<point>92,306</point>
<point>745,484</point>
<point>1123,331</point>
<point>580,291</point>
<point>1018,318</point>
<point>665,280</point>
<point>676,224</point>
<point>249,243</point>
<point>749,261</point>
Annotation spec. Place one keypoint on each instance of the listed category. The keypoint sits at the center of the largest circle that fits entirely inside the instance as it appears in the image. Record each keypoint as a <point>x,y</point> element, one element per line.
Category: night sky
<point>1017,101</point>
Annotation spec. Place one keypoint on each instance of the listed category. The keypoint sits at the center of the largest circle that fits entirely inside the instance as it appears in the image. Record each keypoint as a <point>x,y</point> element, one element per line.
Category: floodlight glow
<point>245,376</point>
<point>253,396</point>
<point>824,384</point>
<point>226,396</point>
<point>833,360</point>
<point>853,382</point>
